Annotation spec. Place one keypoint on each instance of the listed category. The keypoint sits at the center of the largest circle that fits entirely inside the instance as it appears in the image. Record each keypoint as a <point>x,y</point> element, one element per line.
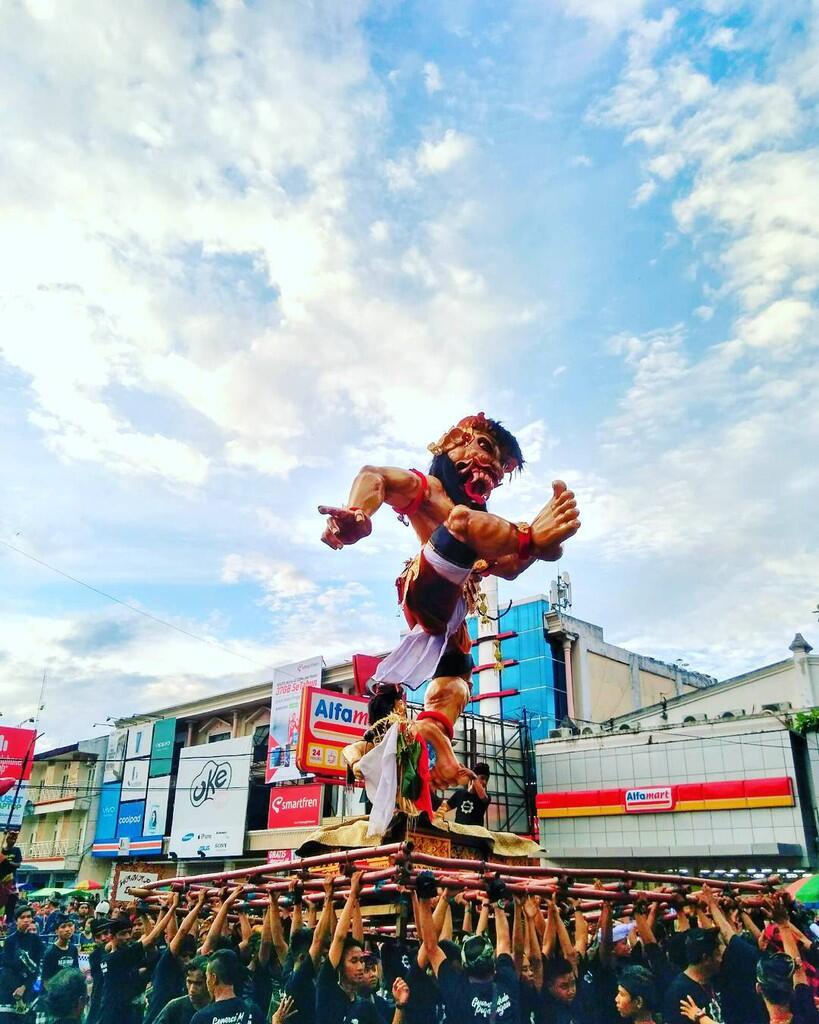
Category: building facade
<point>720,779</point>
<point>58,827</point>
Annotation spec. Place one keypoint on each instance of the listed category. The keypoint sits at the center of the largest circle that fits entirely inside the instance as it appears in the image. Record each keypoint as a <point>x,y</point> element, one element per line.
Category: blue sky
<point>249,247</point>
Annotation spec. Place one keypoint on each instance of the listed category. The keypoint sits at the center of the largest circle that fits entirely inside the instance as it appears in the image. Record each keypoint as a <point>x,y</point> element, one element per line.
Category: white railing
<point>52,848</point>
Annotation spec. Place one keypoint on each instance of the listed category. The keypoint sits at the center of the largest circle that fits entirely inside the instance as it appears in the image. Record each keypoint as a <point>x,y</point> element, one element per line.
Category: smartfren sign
<point>654,798</point>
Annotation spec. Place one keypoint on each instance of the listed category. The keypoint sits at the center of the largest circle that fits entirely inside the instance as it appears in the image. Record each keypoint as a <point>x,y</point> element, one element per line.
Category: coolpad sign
<point>656,798</point>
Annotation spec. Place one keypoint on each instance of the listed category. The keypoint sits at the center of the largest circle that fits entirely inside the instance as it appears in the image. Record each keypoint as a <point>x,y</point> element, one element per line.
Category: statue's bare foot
<point>447,770</point>
<point>558,521</point>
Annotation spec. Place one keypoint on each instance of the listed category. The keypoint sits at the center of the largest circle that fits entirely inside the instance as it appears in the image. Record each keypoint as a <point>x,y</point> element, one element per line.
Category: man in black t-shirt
<point>704,950</point>
<point>101,929</point>
<point>182,1009</point>
<point>19,964</point>
<point>222,975</point>
<point>470,803</point>
<point>63,953</point>
<point>120,968</point>
<point>487,988</point>
<point>169,978</point>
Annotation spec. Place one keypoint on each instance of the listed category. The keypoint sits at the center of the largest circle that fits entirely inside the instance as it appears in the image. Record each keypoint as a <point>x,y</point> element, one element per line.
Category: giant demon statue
<point>461,542</point>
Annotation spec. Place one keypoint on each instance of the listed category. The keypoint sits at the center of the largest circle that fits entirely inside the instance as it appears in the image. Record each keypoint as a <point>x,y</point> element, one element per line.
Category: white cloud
<point>279,580</point>
<point>724,38</point>
<point>433,82</point>
<point>450,149</point>
<point>581,160</point>
<point>703,478</point>
<point>605,14</point>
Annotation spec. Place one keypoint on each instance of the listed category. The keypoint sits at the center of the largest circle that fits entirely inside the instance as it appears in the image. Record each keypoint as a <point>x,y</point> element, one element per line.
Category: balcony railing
<point>65,791</point>
<point>52,849</point>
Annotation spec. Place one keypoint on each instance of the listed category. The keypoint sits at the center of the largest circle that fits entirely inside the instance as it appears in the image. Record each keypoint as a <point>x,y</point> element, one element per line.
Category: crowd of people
<point>483,957</point>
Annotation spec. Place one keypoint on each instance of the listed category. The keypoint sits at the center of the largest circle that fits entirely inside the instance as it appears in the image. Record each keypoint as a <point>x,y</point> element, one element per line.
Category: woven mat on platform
<point>352,834</point>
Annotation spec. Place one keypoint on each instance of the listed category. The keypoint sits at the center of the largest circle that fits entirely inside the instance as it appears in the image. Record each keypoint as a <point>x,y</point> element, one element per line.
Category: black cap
<point>481,768</point>
<point>119,924</point>
<point>100,924</point>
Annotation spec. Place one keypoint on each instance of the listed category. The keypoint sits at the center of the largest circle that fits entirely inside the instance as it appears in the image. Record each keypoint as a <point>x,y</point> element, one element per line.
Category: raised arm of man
<point>324,922</point>
<point>150,938</point>
<point>188,921</point>
<point>276,930</point>
<point>215,930</point>
<point>345,920</point>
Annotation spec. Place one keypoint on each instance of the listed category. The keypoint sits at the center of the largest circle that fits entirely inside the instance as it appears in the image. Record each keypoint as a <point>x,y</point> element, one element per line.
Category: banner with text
<point>294,806</point>
<point>16,756</point>
<point>328,721</point>
<point>289,681</point>
<point>210,806</point>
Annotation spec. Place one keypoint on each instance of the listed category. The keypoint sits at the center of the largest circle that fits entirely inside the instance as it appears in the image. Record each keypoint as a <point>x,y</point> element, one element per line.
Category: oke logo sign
<point>213,777</point>
<point>652,798</point>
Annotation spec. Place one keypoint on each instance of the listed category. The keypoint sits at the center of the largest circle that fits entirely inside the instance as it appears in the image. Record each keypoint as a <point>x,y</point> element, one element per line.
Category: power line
<point>131,607</point>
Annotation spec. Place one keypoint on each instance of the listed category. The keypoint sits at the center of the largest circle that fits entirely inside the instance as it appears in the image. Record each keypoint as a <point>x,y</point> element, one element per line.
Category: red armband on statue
<point>417,501</point>
<point>524,541</point>
<point>440,718</point>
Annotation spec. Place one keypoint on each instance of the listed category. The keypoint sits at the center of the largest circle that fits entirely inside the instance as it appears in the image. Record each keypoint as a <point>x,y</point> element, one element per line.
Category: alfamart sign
<point>658,798</point>
<point>722,795</point>
<point>327,723</point>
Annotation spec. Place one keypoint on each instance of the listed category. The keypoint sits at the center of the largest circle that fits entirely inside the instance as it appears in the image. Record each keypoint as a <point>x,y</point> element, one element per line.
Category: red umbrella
<point>88,884</point>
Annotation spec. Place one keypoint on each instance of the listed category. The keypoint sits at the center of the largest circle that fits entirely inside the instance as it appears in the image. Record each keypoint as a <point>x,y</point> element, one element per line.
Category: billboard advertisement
<point>210,806</point>
<point>117,742</point>
<point>156,806</point>
<point>139,741</point>
<point>289,681</point>
<point>328,721</point>
<point>162,747</point>
<point>295,806</point>
<point>16,756</point>
<point>129,819</point>
<point>134,802</point>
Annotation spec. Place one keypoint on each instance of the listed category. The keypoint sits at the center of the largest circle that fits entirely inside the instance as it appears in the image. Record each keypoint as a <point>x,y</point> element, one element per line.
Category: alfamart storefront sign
<point>327,723</point>
<point>659,798</point>
<point>735,794</point>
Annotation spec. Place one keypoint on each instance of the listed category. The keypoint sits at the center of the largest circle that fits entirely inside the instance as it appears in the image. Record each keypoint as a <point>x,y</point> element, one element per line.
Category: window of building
<point>215,737</point>
<point>260,737</point>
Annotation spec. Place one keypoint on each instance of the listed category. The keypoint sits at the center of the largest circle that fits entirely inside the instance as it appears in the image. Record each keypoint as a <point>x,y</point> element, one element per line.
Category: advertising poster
<point>129,819</point>
<point>139,741</point>
<point>295,806</point>
<point>105,836</point>
<point>328,722</point>
<point>115,757</point>
<point>288,683</point>
<point>162,747</point>
<point>156,806</point>
<point>135,779</point>
<point>16,756</point>
<point>210,807</point>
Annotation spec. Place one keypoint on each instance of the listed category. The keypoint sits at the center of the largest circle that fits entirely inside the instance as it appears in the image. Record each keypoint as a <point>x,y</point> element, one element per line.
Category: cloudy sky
<point>246,247</point>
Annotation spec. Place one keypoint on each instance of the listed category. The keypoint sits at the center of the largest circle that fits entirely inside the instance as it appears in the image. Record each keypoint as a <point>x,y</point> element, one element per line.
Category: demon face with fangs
<point>460,542</point>
<point>472,458</point>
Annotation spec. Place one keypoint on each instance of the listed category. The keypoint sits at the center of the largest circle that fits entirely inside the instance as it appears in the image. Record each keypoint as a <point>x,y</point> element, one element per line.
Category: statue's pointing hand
<point>344,526</point>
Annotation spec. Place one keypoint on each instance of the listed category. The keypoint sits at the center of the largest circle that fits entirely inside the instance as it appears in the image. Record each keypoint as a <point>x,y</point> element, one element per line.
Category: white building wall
<point>713,752</point>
